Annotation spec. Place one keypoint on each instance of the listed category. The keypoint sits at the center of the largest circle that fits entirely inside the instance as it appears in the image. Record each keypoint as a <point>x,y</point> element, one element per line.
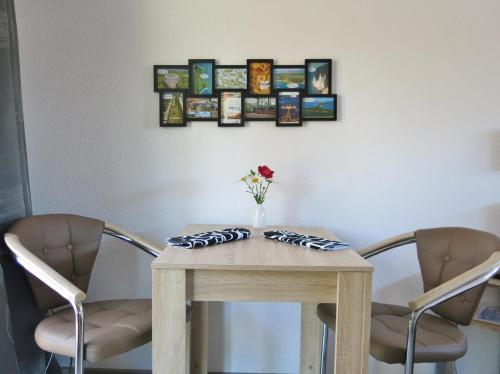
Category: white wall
<point>417,143</point>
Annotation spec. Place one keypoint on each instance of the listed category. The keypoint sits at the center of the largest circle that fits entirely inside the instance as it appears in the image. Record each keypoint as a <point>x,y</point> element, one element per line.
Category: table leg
<point>352,332</point>
<point>169,321</point>
<point>310,340</point>
<point>199,337</point>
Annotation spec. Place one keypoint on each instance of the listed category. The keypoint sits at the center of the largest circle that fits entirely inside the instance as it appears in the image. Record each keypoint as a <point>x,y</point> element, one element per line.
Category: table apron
<point>268,286</point>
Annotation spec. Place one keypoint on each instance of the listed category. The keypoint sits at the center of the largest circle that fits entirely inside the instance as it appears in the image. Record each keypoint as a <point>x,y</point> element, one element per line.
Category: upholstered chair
<point>58,253</point>
<point>456,264</point>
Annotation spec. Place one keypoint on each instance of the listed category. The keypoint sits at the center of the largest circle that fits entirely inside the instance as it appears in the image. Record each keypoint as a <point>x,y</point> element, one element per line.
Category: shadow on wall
<point>240,332</point>
<point>491,215</point>
<point>334,89</point>
<point>217,342</point>
<point>353,237</point>
<point>400,292</point>
<point>173,189</point>
<point>128,266</point>
<point>293,197</point>
<point>150,199</point>
<point>494,139</point>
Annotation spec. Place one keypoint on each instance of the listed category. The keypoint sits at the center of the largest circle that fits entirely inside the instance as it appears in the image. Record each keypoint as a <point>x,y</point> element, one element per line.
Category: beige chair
<point>455,263</point>
<point>58,251</point>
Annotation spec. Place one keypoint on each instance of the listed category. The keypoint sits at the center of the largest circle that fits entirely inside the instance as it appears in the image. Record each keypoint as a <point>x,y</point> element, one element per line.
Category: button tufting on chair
<point>58,251</point>
<point>48,236</point>
<point>111,327</point>
<point>446,255</point>
<point>437,339</point>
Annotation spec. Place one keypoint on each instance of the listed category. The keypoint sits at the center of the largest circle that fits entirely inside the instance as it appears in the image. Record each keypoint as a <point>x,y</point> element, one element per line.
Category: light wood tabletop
<point>259,253</point>
<point>260,269</point>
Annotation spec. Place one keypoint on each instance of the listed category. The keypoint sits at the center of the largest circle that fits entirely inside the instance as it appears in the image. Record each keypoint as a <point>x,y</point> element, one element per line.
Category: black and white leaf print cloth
<point>308,241</point>
<point>208,238</point>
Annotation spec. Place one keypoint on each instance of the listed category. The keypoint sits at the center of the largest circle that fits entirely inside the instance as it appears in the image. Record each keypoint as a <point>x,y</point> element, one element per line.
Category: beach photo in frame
<point>231,108</point>
<point>171,77</point>
<point>232,77</point>
<point>289,108</point>
<point>260,77</point>
<point>202,109</point>
<point>318,76</point>
<point>289,77</point>
<point>172,104</point>
<point>201,78</point>
<point>319,108</point>
<point>259,108</point>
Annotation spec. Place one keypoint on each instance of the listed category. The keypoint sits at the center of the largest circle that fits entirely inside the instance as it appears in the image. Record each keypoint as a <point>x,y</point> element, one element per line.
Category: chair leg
<point>324,346</point>
<point>410,342</point>
<point>79,318</point>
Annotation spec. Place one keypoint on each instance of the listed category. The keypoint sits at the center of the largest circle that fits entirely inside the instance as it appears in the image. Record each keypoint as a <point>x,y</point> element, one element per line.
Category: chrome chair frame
<point>436,296</point>
<point>34,266</point>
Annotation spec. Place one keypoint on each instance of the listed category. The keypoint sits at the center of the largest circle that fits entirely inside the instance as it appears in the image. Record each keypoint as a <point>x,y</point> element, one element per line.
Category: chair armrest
<point>43,271</point>
<point>385,245</point>
<point>137,241</point>
<point>464,282</point>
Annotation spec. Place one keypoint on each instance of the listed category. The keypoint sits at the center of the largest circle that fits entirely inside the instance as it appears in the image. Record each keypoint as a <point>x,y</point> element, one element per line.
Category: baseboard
<point>128,371</point>
<point>109,371</point>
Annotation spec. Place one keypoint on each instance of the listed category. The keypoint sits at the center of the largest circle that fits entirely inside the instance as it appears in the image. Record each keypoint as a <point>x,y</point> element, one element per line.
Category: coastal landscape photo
<point>289,77</point>
<point>319,108</point>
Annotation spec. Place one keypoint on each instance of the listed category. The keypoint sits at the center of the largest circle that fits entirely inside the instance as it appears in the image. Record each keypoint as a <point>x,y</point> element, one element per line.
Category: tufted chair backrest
<point>445,253</point>
<point>67,243</point>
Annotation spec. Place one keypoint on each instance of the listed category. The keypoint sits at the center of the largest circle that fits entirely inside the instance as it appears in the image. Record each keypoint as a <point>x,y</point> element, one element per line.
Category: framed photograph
<point>231,108</point>
<point>260,108</point>
<point>319,76</point>
<point>202,109</point>
<point>319,108</point>
<point>201,78</point>
<point>289,108</point>
<point>170,77</point>
<point>289,77</point>
<point>260,77</point>
<point>172,104</point>
<point>232,77</point>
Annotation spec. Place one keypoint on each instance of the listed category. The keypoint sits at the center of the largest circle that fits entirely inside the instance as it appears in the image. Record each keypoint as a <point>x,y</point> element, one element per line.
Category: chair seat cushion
<point>438,340</point>
<point>111,328</point>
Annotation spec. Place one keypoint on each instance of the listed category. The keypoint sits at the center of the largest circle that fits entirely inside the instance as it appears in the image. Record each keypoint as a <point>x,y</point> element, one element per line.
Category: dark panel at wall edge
<point>18,313</point>
<point>17,93</point>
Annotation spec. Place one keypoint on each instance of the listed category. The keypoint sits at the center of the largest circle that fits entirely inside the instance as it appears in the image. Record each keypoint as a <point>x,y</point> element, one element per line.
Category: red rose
<point>265,171</point>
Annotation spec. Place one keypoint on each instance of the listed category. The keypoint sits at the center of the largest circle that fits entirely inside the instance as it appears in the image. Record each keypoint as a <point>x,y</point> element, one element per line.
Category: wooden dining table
<point>262,270</point>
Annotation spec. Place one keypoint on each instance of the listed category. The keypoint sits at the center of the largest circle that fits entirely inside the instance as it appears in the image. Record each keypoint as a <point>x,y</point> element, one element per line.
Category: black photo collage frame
<point>232,94</point>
